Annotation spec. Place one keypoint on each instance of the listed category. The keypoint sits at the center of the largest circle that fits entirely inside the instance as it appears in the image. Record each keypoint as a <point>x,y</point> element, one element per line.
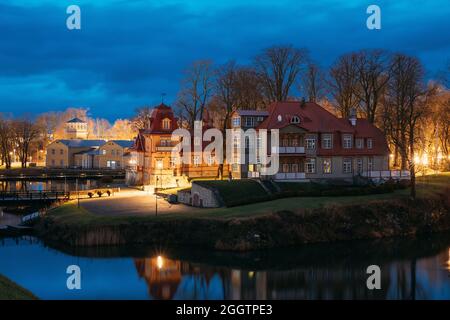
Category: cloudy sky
<point>130,51</point>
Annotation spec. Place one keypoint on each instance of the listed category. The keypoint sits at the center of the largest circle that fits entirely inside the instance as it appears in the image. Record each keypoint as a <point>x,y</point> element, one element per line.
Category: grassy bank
<point>12,291</point>
<point>282,222</point>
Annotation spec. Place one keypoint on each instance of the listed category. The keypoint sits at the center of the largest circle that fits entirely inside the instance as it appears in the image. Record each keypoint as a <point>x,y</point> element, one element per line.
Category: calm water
<point>48,185</point>
<point>411,269</point>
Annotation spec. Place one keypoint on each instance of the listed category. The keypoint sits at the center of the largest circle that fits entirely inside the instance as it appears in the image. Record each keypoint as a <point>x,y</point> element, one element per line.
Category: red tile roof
<point>315,119</point>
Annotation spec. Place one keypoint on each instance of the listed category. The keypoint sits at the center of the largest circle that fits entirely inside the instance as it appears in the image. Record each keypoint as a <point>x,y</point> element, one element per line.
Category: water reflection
<point>411,269</point>
<point>48,185</point>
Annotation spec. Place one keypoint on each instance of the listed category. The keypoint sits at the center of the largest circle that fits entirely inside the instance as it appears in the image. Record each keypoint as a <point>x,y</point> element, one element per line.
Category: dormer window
<point>166,124</point>
<point>295,119</point>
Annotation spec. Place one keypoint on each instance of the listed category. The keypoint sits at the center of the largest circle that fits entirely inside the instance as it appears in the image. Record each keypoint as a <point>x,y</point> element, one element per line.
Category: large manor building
<point>313,144</point>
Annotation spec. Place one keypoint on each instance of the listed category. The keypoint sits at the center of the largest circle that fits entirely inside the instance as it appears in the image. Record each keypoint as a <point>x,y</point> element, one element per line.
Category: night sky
<point>129,52</point>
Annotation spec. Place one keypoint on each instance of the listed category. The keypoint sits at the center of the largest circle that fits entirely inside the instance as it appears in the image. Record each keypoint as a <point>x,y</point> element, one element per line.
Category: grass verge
<point>12,291</point>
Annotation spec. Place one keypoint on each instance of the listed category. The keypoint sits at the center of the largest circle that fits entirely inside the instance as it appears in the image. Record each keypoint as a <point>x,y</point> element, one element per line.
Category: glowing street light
<point>159,262</point>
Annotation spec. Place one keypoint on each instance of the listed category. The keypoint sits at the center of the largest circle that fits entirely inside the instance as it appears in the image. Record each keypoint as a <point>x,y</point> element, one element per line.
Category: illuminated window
<point>236,121</point>
<point>196,161</point>
<point>369,143</point>
<point>166,124</point>
<point>327,165</point>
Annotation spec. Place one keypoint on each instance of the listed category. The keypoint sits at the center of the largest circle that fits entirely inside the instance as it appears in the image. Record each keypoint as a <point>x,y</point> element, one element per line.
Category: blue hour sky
<point>129,52</point>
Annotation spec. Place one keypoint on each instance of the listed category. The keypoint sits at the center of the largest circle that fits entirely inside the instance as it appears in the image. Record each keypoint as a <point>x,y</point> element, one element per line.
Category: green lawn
<point>426,187</point>
<point>11,291</point>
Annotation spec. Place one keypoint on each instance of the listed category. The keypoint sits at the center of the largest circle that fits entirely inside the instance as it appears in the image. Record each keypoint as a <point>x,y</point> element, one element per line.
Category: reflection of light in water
<point>159,262</point>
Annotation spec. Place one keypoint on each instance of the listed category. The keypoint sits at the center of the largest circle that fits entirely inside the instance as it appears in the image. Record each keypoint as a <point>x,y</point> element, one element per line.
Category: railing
<point>164,148</point>
<point>291,150</point>
<point>387,174</point>
<point>290,176</point>
<point>36,195</point>
<point>253,174</point>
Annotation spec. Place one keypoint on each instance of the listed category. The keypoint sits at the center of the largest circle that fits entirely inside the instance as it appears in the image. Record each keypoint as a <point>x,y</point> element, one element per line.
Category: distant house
<point>61,153</point>
<point>88,154</point>
<point>76,129</point>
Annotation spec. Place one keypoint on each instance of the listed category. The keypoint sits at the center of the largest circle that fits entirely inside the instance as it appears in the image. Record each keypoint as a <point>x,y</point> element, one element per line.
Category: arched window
<point>295,119</point>
<point>166,124</point>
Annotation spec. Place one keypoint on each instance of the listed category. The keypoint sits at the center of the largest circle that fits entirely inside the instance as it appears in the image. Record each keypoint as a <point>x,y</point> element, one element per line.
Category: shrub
<point>108,193</point>
<point>90,194</point>
<point>99,193</point>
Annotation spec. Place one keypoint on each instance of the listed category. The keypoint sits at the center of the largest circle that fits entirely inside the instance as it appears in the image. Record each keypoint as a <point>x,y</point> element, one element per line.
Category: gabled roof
<point>124,143</point>
<point>76,120</point>
<point>255,113</point>
<point>313,117</point>
<point>80,143</point>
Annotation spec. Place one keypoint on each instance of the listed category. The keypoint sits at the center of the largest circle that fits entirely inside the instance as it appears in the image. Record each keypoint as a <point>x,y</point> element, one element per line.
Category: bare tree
<point>406,104</point>
<point>142,118</point>
<point>343,84</point>
<point>249,89</point>
<point>372,78</point>
<point>196,90</point>
<point>25,133</point>
<point>6,141</point>
<point>312,84</point>
<point>279,67</point>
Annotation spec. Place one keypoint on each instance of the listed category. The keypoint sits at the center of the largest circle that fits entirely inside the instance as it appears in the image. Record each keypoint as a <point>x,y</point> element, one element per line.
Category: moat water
<point>410,269</point>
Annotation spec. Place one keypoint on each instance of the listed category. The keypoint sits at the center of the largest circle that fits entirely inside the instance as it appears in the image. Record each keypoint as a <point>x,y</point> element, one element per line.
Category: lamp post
<point>159,165</point>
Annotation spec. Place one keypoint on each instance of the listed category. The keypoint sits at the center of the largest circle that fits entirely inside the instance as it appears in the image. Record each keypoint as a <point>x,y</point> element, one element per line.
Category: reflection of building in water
<point>162,275</point>
<point>407,279</point>
<point>164,278</point>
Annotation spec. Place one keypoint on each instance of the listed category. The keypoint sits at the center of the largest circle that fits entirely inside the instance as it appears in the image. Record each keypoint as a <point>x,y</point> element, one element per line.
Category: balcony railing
<point>394,174</point>
<point>164,148</point>
<point>253,174</point>
<point>299,150</point>
<point>290,176</point>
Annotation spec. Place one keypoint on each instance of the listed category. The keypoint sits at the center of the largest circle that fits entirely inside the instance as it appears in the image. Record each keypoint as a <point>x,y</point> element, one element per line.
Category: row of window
<point>327,142</point>
<point>114,152</point>
<point>327,166</point>
<point>248,121</point>
<point>53,151</point>
<point>196,161</point>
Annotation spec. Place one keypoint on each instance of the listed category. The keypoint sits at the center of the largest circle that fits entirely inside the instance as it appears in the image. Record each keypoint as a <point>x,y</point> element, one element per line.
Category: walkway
<point>131,202</point>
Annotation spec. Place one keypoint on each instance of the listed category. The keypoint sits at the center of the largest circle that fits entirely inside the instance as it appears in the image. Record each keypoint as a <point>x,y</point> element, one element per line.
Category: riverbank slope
<point>349,218</point>
<point>12,291</point>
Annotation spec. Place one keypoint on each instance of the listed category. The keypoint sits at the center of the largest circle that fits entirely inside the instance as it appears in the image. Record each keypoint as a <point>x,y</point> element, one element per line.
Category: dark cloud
<point>128,53</point>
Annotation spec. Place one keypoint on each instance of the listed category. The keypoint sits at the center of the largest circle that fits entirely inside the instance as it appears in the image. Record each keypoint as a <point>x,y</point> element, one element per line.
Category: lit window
<point>327,141</point>
<point>210,160</point>
<point>347,166</point>
<point>327,165</point>
<point>310,165</point>
<point>359,143</point>
<point>236,122</point>
<point>310,144</point>
<point>166,124</point>
<point>369,143</point>
<point>196,161</point>
<point>172,162</point>
<point>347,143</point>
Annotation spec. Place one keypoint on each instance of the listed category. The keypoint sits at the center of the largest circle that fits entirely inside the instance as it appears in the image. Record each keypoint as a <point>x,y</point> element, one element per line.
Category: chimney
<point>352,117</point>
